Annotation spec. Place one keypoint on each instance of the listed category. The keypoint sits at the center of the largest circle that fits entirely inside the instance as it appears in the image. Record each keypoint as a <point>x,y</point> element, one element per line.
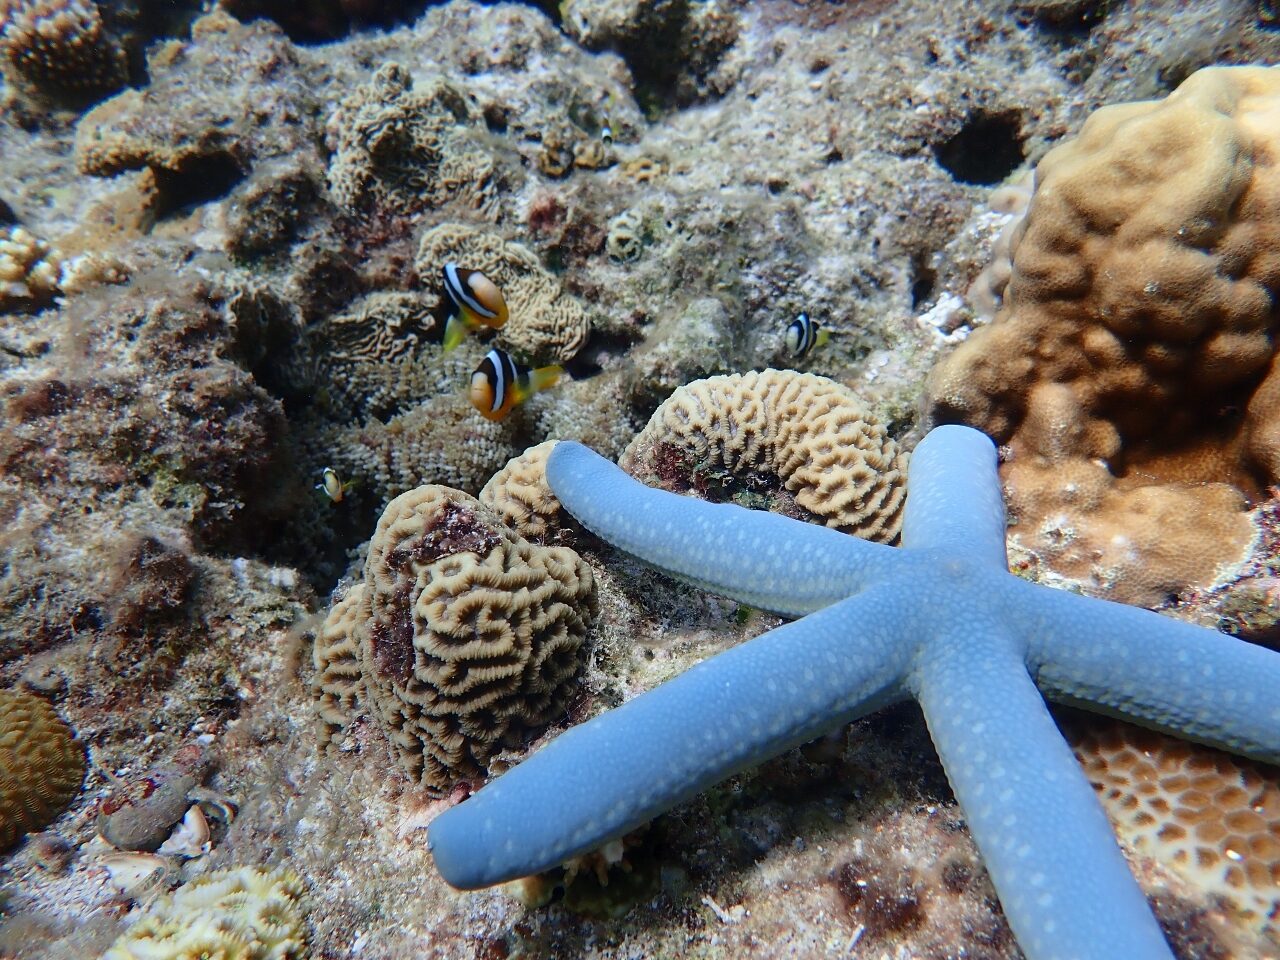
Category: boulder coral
<point>60,47</point>
<point>461,638</point>
<point>1131,371</point>
<point>41,765</point>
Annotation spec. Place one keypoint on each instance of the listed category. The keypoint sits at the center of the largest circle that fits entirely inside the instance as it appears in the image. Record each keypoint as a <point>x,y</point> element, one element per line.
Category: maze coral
<point>1131,369</point>
<point>810,434</point>
<point>462,637</point>
<point>41,765</point>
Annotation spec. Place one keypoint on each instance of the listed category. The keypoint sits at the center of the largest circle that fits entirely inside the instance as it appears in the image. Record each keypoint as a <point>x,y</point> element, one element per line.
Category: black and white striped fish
<point>479,301</point>
<point>499,384</point>
<point>803,335</point>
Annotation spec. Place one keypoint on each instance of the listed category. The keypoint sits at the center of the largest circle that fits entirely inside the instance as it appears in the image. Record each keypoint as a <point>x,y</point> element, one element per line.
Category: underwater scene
<point>639,479</point>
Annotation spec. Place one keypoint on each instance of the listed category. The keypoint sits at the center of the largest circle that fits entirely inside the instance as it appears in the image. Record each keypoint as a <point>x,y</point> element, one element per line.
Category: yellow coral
<point>242,913</point>
<point>461,638</point>
<point>810,433</point>
<point>41,765</point>
<point>1130,370</point>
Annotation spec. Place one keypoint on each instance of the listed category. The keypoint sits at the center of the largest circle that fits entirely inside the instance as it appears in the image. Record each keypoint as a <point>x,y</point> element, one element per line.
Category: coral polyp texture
<point>547,323</point>
<point>804,433</point>
<point>520,495</point>
<point>239,913</point>
<point>60,47</point>
<point>940,620</point>
<point>1131,370</point>
<point>29,273</point>
<point>1210,816</point>
<point>462,638</point>
<point>401,149</point>
<point>41,765</point>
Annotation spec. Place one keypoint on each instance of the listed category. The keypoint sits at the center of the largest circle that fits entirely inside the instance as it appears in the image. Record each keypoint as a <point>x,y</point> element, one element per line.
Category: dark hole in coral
<point>319,21</point>
<point>987,149</point>
<point>198,182</point>
<point>924,281</point>
<point>833,156</point>
<point>1062,18</point>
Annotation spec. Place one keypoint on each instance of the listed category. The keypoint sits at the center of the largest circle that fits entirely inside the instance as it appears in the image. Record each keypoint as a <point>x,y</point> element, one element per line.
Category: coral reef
<point>1130,370</point>
<point>60,47</point>
<point>806,434</point>
<point>241,913</point>
<point>41,765</point>
<point>547,323</point>
<point>462,637</point>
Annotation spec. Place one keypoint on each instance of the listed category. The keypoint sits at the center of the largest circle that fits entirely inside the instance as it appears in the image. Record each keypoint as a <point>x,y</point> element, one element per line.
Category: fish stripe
<point>460,293</point>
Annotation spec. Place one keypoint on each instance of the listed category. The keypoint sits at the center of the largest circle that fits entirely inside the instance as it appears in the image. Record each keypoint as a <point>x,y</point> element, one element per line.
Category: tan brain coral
<point>547,324</point>
<point>1131,368</point>
<point>520,495</point>
<point>462,637</point>
<point>804,432</point>
<point>41,765</point>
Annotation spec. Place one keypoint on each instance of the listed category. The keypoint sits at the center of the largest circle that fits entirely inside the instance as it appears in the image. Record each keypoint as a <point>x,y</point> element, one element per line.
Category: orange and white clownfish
<point>500,384</point>
<point>479,302</point>
<point>803,335</point>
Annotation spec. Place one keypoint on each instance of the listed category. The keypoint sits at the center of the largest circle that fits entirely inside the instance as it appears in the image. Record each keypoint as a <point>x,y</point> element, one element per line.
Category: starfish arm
<point>1063,882</point>
<point>1188,680</point>
<point>768,561</point>
<point>954,505</point>
<point>605,777</point>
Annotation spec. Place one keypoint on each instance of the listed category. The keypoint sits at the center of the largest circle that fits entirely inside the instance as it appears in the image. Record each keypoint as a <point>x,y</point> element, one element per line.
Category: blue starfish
<point>940,619</point>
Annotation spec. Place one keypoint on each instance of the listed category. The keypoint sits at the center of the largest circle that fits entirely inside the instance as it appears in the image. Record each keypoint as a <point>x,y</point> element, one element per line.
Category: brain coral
<point>403,150</point>
<point>546,323</point>
<point>60,46</point>
<point>41,765</point>
<point>242,913</point>
<point>461,638</point>
<point>1208,815</point>
<point>809,434</point>
<point>1131,369</point>
<point>520,495</point>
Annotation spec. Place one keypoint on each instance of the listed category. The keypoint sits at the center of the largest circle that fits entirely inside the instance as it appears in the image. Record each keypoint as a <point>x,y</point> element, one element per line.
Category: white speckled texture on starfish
<point>940,620</point>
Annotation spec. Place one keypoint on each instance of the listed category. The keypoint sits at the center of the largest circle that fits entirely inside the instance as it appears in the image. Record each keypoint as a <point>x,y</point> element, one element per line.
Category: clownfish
<point>500,384</point>
<point>479,301</point>
<point>803,335</point>
<point>331,485</point>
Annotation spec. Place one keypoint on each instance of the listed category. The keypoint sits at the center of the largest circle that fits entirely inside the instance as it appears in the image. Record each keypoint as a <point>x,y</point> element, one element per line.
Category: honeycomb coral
<point>1209,816</point>
<point>462,636</point>
<point>242,913</point>
<point>546,323</point>
<point>28,273</point>
<point>41,765</point>
<point>520,495</point>
<point>1130,369</point>
<point>400,150</point>
<point>810,433</point>
<point>60,46</point>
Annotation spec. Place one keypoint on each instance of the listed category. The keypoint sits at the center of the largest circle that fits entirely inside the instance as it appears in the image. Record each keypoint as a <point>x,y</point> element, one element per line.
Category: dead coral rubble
<point>462,638</point>
<point>1132,370</point>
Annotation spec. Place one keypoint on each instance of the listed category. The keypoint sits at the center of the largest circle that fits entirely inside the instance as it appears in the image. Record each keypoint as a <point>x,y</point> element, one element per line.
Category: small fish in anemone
<point>499,384</point>
<point>479,301</point>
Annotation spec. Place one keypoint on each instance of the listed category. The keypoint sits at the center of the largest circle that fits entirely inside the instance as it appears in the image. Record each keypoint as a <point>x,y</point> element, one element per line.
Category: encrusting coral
<point>547,324</point>
<point>1210,816</point>
<point>461,638</point>
<point>41,765</point>
<point>60,47</point>
<point>1131,370</point>
<point>240,913</point>
<point>805,433</point>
